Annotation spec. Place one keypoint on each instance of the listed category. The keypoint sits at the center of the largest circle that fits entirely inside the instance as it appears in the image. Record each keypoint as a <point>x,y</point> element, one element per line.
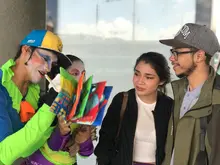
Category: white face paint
<point>40,64</point>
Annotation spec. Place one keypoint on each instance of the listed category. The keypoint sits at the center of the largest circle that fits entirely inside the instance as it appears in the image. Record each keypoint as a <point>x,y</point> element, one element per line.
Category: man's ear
<point>200,56</point>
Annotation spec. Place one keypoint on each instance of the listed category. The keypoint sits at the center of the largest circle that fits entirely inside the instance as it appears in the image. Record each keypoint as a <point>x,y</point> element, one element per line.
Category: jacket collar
<point>205,98</point>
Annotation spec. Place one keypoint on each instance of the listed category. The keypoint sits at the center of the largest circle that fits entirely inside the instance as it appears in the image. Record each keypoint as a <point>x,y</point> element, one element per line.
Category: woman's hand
<point>74,149</point>
<point>79,136</point>
<point>83,133</point>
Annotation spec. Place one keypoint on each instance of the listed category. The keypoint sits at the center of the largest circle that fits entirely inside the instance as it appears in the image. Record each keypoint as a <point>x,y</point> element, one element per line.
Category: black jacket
<point>105,148</point>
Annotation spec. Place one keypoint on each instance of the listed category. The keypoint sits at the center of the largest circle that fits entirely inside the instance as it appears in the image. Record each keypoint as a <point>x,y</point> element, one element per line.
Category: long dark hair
<point>159,64</point>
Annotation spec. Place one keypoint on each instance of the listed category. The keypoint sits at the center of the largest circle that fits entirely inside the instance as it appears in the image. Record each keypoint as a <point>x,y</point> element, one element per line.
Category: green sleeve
<point>13,147</point>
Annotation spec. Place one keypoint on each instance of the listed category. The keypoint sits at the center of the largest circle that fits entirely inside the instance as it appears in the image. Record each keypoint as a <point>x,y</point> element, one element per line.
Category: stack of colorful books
<point>81,102</point>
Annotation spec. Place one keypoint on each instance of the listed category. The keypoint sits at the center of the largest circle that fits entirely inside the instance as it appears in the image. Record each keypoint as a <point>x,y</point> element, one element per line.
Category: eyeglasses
<point>176,53</point>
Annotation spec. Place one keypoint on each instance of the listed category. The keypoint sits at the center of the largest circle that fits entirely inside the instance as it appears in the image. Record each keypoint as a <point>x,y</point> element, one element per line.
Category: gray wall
<point>18,18</point>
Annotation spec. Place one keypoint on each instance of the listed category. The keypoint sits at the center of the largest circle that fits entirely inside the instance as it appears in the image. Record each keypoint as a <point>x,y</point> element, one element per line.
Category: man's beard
<point>188,71</point>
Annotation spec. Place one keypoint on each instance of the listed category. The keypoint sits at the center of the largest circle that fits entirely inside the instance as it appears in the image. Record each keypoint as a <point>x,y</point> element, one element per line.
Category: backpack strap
<point>122,111</point>
<point>123,108</point>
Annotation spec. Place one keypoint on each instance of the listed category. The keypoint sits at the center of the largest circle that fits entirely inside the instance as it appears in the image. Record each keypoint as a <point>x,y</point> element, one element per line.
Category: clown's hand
<point>48,98</point>
<point>55,83</point>
<point>64,126</point>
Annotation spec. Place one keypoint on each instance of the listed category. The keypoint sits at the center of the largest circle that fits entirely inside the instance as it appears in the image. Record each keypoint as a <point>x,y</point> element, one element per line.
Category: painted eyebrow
<point>53,59</point>
<point>146,74</point>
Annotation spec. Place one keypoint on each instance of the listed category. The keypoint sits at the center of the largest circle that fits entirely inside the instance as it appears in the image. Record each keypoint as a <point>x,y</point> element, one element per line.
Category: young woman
<point>62,147</point>
<point>143,132</point>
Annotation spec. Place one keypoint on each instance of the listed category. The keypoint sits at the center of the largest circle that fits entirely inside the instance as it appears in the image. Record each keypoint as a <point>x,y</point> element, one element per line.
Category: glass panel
<point>100,32</point>
<point>110,34</point>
